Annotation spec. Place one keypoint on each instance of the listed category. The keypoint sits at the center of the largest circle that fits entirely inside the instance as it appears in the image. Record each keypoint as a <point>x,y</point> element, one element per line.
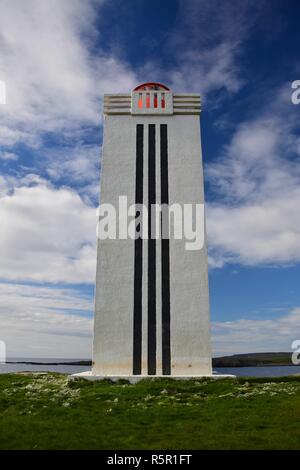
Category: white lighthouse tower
<point>151,302</point>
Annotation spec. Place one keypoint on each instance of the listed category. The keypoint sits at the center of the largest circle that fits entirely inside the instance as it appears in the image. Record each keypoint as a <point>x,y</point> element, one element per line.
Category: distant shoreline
<point>267,359</point>
<point>63,363</point>
<point>236,360</point>
<point>89,363</point>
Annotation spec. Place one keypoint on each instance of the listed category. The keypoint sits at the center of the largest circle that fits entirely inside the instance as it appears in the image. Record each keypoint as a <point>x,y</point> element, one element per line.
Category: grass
<point>45,411</point>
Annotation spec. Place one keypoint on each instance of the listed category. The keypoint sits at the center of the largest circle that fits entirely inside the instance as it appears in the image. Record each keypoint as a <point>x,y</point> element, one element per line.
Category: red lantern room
<point>151,86</point>
<point>151,95</point>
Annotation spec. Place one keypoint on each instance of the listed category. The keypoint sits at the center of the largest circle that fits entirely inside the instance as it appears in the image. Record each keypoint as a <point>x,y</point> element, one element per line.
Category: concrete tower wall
<point>151,303</point>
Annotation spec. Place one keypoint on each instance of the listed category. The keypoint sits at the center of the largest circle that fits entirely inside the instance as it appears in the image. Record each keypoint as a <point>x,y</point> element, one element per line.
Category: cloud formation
<point>47,234</point>
<point>53,81</point>
<point>246,335</point>
<point>39,321</point>
<point>209,45</point>
<point>254,220</point>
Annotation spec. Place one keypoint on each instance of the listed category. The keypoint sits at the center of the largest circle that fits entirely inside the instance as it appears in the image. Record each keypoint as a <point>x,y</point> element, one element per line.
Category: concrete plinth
<point>133,379</point>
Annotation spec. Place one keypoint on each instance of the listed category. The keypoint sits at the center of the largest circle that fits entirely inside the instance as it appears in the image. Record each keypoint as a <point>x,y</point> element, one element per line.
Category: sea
<point>259,371</point>
<point>65,366</point>
<point>61,365</point>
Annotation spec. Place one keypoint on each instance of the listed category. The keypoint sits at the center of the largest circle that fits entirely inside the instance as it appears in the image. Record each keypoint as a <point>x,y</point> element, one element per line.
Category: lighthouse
<point>151,297</point>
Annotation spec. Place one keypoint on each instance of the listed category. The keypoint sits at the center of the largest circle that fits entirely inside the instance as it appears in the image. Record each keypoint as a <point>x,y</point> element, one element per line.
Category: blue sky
<point>57,58</point>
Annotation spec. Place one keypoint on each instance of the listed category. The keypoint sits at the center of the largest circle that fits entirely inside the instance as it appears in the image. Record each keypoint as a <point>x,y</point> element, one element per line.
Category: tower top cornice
<point>151,98</point>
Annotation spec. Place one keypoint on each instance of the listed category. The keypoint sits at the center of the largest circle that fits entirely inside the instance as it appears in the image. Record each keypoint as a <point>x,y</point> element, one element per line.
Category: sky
<point>57,59</point>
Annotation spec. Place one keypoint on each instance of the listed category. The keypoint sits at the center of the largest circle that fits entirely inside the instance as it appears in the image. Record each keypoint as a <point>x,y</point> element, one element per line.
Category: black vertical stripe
<point>138,258</point>
<point>151,255</point>
<point>165,256</point>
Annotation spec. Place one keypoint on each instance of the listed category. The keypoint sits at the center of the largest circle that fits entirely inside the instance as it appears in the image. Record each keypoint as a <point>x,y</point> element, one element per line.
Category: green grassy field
<point>47,412</point>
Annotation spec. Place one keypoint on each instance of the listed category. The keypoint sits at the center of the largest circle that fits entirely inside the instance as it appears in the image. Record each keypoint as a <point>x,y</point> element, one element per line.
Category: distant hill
<point>254,359</point>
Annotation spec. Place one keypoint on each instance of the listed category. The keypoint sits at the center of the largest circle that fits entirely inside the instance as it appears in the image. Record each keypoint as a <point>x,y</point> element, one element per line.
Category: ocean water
<point>20,366</point>
<point>268,371</point>
<point>262,371</point>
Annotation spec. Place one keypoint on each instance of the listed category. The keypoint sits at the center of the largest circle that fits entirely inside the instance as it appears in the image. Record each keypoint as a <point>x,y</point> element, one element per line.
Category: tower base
<point>133,379</point>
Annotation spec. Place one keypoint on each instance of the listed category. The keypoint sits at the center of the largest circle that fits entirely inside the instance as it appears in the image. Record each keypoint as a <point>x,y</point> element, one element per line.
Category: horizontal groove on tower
<point>120,104</point>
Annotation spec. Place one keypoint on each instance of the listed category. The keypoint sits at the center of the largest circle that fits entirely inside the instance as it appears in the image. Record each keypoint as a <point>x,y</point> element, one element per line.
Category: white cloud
<point>208,45</point>
<point>245,335</point>
<point>264,233</point>
<point>14,132</point>
<point>45,322</point>
<point>207,71</point>
<point>8,156</point>
<point>255,163</point>
<point>80,164</point>
<point>53,81</point>
<point>258,175</point>
<point>47,235</point>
